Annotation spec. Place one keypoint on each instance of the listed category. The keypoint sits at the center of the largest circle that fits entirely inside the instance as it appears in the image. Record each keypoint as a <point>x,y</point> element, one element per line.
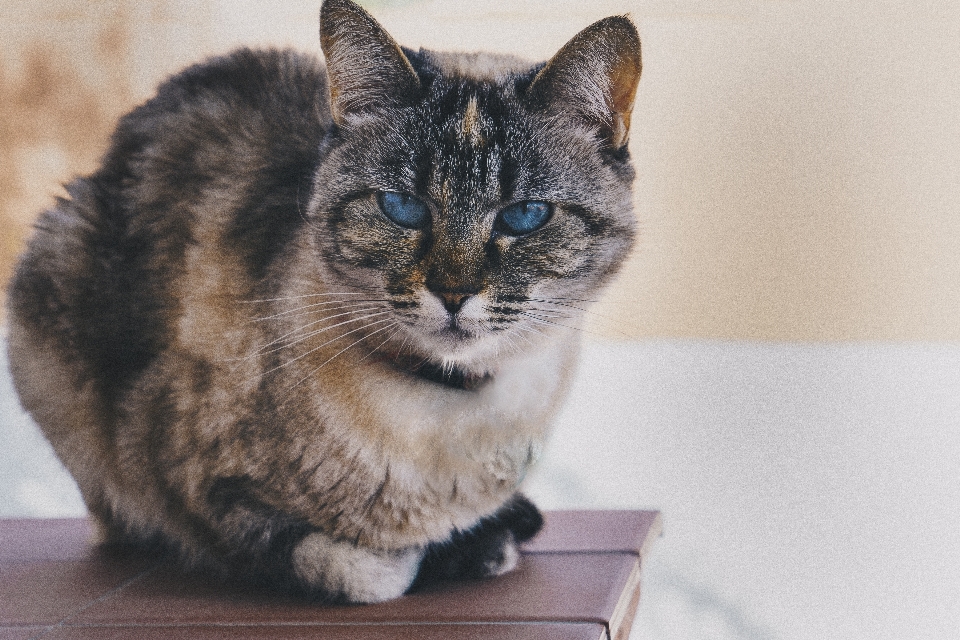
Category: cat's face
<point>479,217</point>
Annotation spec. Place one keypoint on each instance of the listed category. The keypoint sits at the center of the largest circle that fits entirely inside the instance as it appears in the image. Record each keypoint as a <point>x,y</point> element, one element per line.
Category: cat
<point>307,326</point>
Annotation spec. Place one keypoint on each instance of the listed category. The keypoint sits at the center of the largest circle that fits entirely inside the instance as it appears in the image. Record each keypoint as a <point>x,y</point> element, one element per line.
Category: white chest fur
<point>445,457</point>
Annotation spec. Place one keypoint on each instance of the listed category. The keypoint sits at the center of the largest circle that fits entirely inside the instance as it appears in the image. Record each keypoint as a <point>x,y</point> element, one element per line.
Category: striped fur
<point>245,362</point>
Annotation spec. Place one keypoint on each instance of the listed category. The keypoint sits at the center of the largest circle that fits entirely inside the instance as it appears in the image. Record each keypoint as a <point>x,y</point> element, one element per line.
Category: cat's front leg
<point>273,549</point>
<point>489,548</point>
<point>351,573</point>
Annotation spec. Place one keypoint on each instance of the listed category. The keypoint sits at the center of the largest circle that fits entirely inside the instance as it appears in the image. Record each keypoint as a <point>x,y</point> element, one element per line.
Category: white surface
<point>33,483</point>
<point>809,491</point>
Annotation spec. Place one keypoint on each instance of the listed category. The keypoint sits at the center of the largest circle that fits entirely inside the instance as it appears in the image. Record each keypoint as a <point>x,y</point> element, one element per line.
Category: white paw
<point>505,561</point>
<point>355,573</point>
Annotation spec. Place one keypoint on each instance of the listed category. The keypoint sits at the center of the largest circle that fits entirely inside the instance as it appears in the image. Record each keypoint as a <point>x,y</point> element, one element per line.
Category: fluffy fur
<point>242,358</point>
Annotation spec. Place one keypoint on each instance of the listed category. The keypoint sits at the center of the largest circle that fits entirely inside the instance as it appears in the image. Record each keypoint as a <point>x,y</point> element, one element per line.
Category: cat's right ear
<point>367,71</point>
<point>594,78</point>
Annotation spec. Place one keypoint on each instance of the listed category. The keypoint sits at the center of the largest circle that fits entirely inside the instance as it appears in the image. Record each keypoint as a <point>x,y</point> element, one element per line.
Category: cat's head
<point>483,200</point>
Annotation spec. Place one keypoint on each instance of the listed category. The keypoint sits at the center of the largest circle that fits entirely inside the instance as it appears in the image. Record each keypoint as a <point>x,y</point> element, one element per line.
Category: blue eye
<point>405,210</point>
<point>524,217</point>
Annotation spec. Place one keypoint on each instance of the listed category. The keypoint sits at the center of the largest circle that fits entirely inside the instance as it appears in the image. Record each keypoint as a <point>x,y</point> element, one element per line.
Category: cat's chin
<point>459,348</point>
<point>471,353</point>
<point>449,349</point>
<point>456,338</point>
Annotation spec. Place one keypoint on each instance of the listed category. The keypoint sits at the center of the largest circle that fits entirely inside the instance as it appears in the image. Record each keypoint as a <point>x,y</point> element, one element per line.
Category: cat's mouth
<point>455,332</point>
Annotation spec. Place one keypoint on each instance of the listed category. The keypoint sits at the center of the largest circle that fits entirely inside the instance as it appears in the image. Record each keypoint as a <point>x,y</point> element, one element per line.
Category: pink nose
<point>453,301</point>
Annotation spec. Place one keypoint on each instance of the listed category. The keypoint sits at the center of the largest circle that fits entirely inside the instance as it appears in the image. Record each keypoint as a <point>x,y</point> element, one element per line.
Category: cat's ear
<point>365,66</point>
<point>594,77</point>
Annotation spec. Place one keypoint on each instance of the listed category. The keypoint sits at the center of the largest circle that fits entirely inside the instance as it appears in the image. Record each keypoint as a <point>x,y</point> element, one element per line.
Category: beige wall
<point>68,70</point>
<point>798,161</point>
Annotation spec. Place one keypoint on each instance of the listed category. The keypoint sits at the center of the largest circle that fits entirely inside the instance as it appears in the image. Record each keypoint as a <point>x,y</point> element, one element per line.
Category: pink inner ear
<point>596,74</point>
<point>624,78</point>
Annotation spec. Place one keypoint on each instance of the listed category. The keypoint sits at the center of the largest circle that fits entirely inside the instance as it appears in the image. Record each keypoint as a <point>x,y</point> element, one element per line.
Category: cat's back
<point>218,161</point>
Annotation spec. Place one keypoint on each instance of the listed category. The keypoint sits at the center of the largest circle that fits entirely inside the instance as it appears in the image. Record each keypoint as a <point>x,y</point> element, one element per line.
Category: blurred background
<point>778,368</point>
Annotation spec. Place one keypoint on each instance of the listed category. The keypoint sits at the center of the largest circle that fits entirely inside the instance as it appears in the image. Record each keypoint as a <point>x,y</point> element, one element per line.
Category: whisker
<point>318,347</point>
<point>265,349</point>
<point>545,321</point>
<point>376,348</point>
<point>551,313</point>
<point>512,345</point>
<point>540,320</point>
<point>616,324</point>
<point>307,295</point>
<point>317,332</point>
<point>403,344</point>
<point>338,353</point>
<point>521,331</point>
<point>564,299</point>
<point>560,304</point>
<point>301,311</point>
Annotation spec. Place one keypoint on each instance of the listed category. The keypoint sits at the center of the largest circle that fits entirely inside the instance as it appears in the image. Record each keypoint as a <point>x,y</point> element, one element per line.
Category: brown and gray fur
<point>242,360</point>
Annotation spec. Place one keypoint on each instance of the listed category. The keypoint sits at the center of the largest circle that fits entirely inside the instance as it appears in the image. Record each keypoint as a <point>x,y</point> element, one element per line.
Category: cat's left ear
<point>594,77</point>
<point>366,68</point>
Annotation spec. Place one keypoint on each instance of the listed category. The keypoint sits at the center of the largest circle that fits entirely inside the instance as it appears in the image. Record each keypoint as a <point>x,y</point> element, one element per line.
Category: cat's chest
<point>458,451</point>
<point>423,419</point>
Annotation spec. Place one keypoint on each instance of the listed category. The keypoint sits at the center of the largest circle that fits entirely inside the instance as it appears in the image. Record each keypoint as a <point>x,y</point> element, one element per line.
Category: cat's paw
<point>498,557</point>
<point>487,549</point>
<point>349,573</point>
<point>477,553</point>
<point>521,517</point>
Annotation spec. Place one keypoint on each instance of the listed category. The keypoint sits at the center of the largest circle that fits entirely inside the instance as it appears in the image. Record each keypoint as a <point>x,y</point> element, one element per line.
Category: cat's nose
<point>453,301</point>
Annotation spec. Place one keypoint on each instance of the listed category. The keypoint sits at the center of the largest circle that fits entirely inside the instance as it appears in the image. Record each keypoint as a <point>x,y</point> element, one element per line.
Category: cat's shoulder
<point>274,94</point>
<point>247,77</point>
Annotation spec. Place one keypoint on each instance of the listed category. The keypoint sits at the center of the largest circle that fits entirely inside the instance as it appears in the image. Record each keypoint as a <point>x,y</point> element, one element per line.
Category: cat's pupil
<point>404,209</point>
<point>524,217</point>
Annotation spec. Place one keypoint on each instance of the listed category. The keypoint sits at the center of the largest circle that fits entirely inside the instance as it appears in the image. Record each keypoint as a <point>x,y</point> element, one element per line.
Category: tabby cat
<point>307,326</point>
